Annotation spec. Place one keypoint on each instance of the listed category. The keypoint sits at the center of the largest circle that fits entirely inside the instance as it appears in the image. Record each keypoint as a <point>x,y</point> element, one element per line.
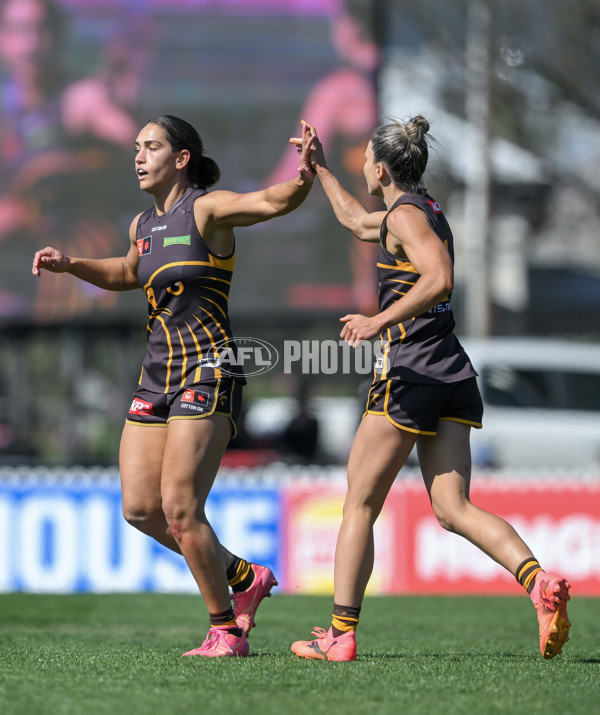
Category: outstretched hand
<point>51,260</point>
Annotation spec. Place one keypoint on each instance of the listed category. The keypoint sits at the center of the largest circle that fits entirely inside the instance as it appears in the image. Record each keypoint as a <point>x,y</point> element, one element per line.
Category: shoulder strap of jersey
<point>421,200</point>
<point>143,218</point>
<point>189,198</point>
<point>404,199</point>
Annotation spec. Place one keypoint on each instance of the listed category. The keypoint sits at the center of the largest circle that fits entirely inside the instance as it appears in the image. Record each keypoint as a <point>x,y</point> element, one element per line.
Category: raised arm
<point>116,274</point>
<point>349,211</point>
<point>229,209</point>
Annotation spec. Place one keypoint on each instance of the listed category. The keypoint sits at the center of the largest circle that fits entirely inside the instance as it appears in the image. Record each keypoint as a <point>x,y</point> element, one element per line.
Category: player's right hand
<point>50,260</point>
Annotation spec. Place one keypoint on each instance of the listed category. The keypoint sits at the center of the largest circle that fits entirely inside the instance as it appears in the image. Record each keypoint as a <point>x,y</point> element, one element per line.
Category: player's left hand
<point>358,327</point>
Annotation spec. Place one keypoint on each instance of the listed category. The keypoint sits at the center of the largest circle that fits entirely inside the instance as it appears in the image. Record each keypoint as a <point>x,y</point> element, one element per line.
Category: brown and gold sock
<point>240,574</point>
<point>225,620</point>
<point>345,618</point>
<point>526,572</point>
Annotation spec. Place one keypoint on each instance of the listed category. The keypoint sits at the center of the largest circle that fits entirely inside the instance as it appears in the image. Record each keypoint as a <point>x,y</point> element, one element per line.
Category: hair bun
<point>416,128</point>
<point>210,170</point>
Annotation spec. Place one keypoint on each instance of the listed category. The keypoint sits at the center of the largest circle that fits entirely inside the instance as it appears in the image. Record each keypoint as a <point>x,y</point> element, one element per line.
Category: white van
<point>541,399</point>
<point>542,403</point>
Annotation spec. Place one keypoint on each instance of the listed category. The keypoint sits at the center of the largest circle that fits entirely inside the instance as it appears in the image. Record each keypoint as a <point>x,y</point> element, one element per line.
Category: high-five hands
<point>310,140</point>
<point>304,145</point>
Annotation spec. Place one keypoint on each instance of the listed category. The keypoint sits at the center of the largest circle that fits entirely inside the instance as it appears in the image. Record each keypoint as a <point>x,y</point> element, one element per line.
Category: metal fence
<point>65,389</point>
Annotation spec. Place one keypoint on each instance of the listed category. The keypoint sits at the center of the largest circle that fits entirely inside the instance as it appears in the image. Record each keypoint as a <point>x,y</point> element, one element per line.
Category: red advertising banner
<point>559,520</point>
<point>312,513</point>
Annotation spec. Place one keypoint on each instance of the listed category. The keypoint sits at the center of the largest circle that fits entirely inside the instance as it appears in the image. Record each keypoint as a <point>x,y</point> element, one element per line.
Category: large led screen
<point>78,78</point>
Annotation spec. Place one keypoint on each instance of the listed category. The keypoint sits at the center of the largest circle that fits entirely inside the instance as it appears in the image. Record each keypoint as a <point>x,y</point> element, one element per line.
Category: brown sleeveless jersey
<point>187,287</point>
<point>423,348</point>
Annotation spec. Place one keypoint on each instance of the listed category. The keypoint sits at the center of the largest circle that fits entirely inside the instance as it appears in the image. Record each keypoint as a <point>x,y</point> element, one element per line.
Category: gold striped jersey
<point>423,348</point>
<point>187,287</point>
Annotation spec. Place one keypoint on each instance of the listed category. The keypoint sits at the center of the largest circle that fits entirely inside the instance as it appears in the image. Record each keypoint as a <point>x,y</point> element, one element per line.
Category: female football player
<point>184,411</point>
<point>424,391</point>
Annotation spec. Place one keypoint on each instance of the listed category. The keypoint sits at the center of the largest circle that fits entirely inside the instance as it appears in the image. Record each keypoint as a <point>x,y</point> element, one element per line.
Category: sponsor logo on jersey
<point>195,400</point>
<point>144,246</point>
<point>173,240</point>
<point>158,228</point>
<point>435,206</point>
<point>140,407</point>
<point>209,362</point>
<point>441,308</point>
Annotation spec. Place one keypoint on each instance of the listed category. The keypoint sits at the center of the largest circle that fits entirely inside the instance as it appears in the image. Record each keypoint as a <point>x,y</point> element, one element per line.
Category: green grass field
<point>122,654</point>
